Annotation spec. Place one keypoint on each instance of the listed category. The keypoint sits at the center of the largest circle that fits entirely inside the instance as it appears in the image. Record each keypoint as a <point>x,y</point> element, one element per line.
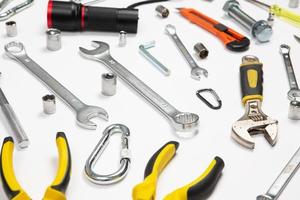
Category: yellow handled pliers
<point>199,189</point>
<point>56,191</point>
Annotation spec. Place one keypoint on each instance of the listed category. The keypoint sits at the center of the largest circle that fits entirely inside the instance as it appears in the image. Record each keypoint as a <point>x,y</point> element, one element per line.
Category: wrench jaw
<point>264,197</point>
<point>196,73</point>
<point>185,124</point>
<point>101,50</point>
<point>87,113</point>
<point>244,129</point>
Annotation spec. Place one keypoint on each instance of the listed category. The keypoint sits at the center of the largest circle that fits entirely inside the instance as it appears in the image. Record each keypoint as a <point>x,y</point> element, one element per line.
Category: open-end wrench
<point>197,71</point>
<point>181,121</point>
<point>283,179</point>
<point>84,113</point>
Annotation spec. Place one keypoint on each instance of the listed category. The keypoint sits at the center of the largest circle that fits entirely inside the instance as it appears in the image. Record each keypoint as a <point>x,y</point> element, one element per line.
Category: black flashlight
<point>72,16</point>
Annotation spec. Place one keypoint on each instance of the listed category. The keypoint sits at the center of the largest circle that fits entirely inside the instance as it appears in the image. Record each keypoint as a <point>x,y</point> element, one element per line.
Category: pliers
<point>199,189</point>
<point>56,191</point>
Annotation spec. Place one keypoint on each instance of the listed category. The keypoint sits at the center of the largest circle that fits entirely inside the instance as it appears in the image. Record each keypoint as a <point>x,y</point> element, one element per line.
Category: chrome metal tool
<point>84,113</point>
<point>294,92</point>
<point>185,123</point>
<point>283,179</point>
<point>254,120</point>
<point>12,11</point>
<point>197,71</point>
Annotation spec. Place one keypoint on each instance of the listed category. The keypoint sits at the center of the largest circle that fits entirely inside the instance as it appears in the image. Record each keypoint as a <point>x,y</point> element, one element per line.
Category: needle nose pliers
<point>199,189</point>
<point>56,191</point>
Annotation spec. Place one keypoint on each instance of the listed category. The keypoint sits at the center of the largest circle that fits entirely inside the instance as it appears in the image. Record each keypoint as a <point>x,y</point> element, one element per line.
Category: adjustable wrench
<point>197,71</point>
<point>283,179</point>
<point>254,121</point>
<point>294,92</point>
<point>181,121</point>
<point>84,113</point>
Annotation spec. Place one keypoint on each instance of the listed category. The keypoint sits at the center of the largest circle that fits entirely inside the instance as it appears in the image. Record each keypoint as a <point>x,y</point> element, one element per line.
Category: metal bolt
<point>109,84</point>
<point>11,29</point>
<point>49,104</point>
<point>258,29</point>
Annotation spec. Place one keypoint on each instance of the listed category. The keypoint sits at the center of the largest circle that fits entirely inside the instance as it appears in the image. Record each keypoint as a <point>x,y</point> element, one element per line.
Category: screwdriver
<point>279,12</point>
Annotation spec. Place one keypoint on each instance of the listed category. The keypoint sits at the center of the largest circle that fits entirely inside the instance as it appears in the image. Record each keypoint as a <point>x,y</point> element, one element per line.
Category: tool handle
<point>11,186</point>
<point>286,14</point>
<point>203,186</point>
<point>147,189</point>
<point>251,77</point>
<point>14,123</point>
<point>59,186</point>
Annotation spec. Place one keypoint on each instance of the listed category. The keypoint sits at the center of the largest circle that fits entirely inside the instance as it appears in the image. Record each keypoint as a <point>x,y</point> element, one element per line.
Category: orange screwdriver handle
<point>233,40</point>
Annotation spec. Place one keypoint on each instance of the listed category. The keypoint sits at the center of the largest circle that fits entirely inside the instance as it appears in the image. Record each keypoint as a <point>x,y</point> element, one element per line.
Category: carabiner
<point>95,155</point>
<point>214,94</point>
<point>9,13</point>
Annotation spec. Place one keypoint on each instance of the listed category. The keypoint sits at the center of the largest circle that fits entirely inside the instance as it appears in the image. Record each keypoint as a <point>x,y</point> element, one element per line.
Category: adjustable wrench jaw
<point>252,123</point>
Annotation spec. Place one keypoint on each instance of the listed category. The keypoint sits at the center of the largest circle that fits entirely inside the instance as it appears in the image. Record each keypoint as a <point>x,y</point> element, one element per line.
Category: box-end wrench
<point>197,71</point>
<point>294,92</point>
<point>283,179</point>
<point>13,121</point>
<point>181,121</point>
<point>84,113</point>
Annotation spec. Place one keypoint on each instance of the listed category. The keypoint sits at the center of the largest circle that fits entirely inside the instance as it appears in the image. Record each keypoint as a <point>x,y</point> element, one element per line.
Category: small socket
<point>271,19</point>
<point>11,29</point>
<point>201,50</point>
<point>109,84</point>
<point>53,39</point>
<point>162,11</point>
<point>49,104</point>
<point>293,3</point>
<point>123,39</point>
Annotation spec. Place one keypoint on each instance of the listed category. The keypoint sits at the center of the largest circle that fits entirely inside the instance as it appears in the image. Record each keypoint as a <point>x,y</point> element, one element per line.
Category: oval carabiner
<point>95,155</point>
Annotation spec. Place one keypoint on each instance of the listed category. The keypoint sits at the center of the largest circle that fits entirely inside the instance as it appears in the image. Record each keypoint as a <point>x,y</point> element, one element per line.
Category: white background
<point>247,173</point>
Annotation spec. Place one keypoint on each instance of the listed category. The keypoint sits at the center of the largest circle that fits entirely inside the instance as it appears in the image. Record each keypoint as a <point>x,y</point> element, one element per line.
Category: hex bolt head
<point>229,4</point>
<point>262,31</point>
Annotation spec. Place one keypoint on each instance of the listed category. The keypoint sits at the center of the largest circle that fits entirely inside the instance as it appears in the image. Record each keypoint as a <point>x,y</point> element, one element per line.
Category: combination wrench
<point>283,179</point>
<point>181,121</point>
<point>197,71</point>
<point>294,92</point>
<point>84,113</point>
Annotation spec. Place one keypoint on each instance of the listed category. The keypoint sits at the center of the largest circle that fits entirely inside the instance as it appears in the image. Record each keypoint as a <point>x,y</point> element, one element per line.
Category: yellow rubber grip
<point>286,14</point>
<point>147,189</point>
<point>11,185</point>
<point>203,186</point>
<point>58,187</point>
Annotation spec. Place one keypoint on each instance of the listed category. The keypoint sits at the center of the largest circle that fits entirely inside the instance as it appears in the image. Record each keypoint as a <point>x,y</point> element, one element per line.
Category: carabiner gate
<point>95,155</point>
<point>214,94</point>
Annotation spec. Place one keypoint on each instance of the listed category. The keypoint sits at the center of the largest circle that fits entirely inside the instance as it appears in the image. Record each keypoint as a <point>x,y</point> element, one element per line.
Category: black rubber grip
<point>251,77</point>
<point>62,186</point>
<point>204,188</point>
<point>239,45</point>
<point>151,162</point>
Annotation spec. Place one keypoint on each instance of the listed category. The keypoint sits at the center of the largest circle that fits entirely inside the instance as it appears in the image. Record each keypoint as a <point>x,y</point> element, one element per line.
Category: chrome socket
<point>53,39</point>
<point>11,29</point>
<point>201,50</point>
<point>49,104</point>
<point>162,11</point>
<point>123,39</point>
<point>109,84</point>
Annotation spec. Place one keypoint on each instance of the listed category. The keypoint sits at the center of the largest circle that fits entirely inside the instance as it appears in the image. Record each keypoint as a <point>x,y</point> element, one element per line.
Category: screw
<point>258,29</point>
